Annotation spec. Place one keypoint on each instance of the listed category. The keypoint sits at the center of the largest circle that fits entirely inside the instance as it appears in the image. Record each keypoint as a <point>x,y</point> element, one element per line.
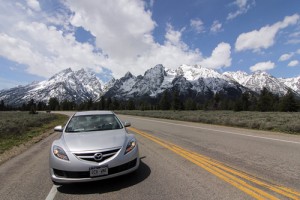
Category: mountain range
<point>77,86</point>
<point>192,81</point>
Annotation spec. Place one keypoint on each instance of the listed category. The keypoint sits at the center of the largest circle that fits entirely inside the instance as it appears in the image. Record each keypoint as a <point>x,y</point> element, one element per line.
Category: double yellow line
<point>240,180</point>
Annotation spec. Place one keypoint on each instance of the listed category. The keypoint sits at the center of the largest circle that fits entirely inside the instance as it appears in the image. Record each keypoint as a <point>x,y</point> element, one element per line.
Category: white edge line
<point>266,138</point>
<point>52,193</point>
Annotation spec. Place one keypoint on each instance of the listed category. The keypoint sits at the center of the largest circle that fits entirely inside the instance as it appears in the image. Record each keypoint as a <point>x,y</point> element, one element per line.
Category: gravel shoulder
<point>23,147</point>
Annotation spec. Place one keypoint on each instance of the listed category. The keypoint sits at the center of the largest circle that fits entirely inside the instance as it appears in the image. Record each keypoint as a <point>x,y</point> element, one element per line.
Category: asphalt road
<point>179,160</point>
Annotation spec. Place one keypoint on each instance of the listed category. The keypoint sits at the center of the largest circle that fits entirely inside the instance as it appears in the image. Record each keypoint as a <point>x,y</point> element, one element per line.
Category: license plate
<point>98,171</point>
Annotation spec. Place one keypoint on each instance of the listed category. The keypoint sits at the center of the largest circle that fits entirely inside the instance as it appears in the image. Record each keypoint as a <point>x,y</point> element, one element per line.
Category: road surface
<point>179,160</point>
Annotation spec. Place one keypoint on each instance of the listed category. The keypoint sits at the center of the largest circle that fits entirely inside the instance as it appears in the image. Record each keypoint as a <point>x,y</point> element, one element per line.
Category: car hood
<point>86,141</point>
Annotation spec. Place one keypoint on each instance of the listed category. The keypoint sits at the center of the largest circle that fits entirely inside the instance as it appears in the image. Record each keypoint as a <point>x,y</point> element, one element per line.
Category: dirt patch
<point>7,155</point>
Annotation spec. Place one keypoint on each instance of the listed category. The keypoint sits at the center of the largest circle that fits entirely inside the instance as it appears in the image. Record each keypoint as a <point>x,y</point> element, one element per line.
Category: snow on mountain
<point>207,80</point>
<point>186,79</point>
<point>90,82</point>
<point>75,86</point>
<point>258,80</point>
<point>239,76</point>
<point>293,83</point>
<point>193,81</point>
<point>108,85</point>
<point>193,73</point>
<point>121,87</point>
<point>151,82</point>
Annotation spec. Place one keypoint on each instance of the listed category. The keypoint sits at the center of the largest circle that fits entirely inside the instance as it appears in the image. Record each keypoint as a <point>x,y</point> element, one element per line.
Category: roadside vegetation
<point>288,122</point>
<point>263,111</point>
<point>19,127</point>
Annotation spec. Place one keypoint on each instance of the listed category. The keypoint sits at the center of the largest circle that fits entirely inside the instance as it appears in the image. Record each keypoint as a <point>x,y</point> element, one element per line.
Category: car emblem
<point>98,156</point>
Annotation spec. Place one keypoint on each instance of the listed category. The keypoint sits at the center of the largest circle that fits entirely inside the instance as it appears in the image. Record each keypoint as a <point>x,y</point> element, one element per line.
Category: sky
<point>39,38</point>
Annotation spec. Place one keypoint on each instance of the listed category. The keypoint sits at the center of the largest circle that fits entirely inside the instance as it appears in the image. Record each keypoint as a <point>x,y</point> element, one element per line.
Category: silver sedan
<point>94,145</point>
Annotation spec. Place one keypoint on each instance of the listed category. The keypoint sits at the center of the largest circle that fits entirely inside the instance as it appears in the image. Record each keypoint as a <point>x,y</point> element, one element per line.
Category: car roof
<point>93,112</point>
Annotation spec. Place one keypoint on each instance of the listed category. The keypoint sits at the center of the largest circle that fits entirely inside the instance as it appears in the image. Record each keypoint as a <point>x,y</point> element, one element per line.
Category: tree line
<point>266,101</point>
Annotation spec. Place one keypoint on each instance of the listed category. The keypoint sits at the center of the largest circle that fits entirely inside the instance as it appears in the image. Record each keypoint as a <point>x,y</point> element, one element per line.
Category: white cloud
<point>220,57</point>
<point>298,51</point>
<point>262,66</point>
<point>294,38</point>
<point>197,25</point>
<point>216,27</point>
<point>123,32</point>
<point>34,4</point>
<point>295,34</point>
<point>120,24</point>
<point>264,37</point>
<point>172,36</point>
<point>242,7</point>
<point>46,51</point>
<point>286,56</point>
<point>293,41</point>
<point>293,63</point>
<point>123,38</point>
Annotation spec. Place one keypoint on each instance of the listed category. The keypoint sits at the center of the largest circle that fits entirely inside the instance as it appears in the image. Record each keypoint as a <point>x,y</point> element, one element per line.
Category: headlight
<point>60,153</point>
<point>131,144</point>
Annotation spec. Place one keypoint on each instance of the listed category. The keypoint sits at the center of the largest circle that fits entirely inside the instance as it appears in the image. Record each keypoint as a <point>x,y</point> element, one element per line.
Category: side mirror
<point>58,128</point>
<point>127,124</point>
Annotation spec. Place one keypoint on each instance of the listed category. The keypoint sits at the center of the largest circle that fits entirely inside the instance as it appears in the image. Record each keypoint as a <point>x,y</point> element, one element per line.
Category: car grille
<point>90,155</point>
<point>86,174</point>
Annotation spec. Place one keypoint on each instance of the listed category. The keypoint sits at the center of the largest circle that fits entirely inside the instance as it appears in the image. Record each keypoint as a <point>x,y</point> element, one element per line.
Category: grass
<point>17,128</point>
<point>270,121</point>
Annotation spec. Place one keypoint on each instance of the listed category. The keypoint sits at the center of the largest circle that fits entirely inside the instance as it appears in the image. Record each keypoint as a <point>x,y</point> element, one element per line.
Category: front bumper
<point>75,170</point>
<point>60,176</point>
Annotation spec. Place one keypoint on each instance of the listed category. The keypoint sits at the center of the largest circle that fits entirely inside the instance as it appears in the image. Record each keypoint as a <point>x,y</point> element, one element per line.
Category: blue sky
<point>111,37</point>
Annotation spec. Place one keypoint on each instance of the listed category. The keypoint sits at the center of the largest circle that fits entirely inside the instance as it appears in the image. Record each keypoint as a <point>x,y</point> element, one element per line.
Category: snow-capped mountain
<point>195,80</point>
<point>150,83</point>
<point>69,85</point>
<point>90,82</point>
<point>258,80</point>
<point>239,76</point>
<point>108,85</point>
<point>191,81</point>
<point>293,83</point>
<point>121,87</point>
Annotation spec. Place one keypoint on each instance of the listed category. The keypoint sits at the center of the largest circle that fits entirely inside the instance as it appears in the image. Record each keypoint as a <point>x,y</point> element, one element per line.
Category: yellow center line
<point>224,172</point>
<point>279,189</point>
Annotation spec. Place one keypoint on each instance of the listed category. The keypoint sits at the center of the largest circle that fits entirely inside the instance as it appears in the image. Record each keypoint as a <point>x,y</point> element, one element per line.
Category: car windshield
<point>84,123</point>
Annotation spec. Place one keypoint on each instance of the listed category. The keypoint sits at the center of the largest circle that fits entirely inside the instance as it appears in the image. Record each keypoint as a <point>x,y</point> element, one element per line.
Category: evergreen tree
<point>67,105</point>
<point>164,103</point>
<point>176,100</point>
<point>116,104</point>
<point>102,103</point>
<point>265,101</point>
<point>32,107</point>
<point>108,104</point>
<point>2,105</point>
<point>89,104</point>
<point>190,104</point>
<point>23,107</point>
<point>245,101</point>
<point>217,99</point>
<point>253,103</point>
<point>130,105</point>
<point>288,102</point>
<point>53,103</point>
<point>238,106</point>
<point>276,103</point>
<point>41,106</point>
